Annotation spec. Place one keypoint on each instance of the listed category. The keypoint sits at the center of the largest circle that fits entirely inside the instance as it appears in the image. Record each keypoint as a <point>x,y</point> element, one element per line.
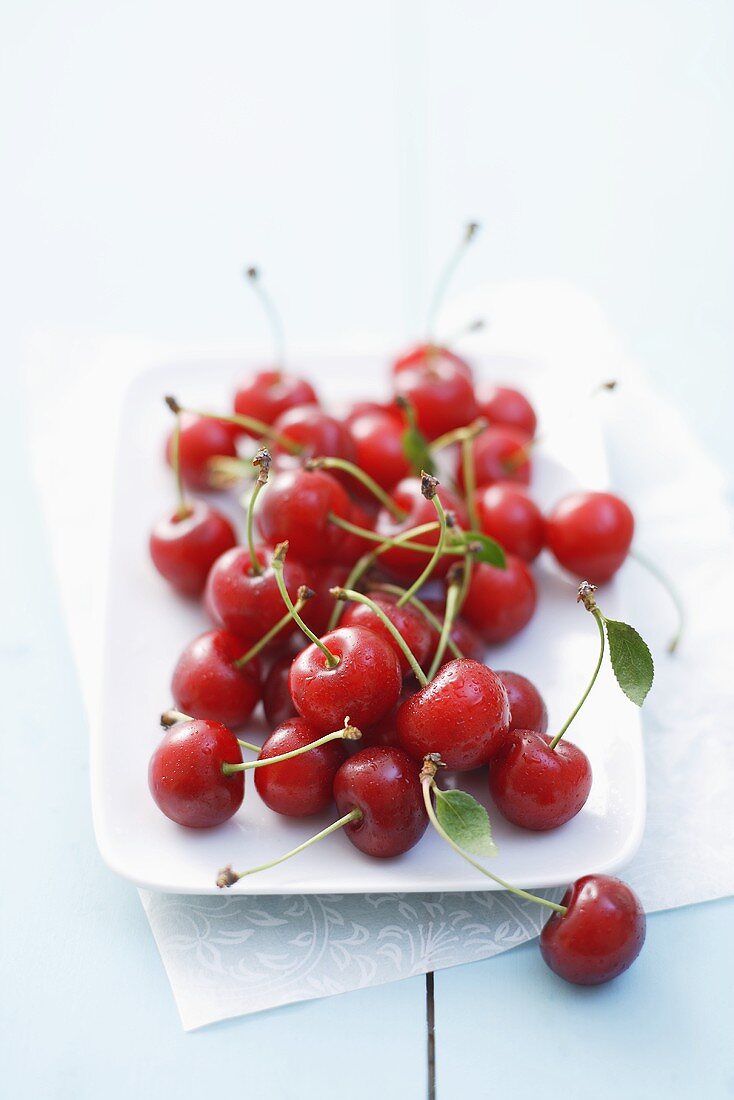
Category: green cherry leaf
<point>415,449</point>
<point>466,821</point>
<point>631,660</point>
<point>491,552</point>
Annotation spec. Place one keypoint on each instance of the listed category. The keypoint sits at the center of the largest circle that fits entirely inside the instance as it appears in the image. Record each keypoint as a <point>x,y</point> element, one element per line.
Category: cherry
<point>430,355</point>
<point>185,774</point>
<point>527,709</point>
<point>506,513</point>
<point>599,936</point>
<point>500,602</point>
<point>352,546</point>
<point>441,395</point>
<point>408,621</point>
<point>463,714</point>
<point>464,636</point>
<point>303,785</point>
<point>383,733</point>
<point>322,578</point>
<point>590,534</point>
<point>247,603</point>
<point>296,509</point>
<point>535,786</point>
<point>271,393</point>
<point>499,454</point>
<point>382,783</point>
<point>202,438</point>
<point>206,682</point>
<point>315,432</point>
<point>184,546</point>
<point>352,671</point>
<point>378,441</point>
<point>407,496</point>
<point>507,407</point>
<point>366,408</point>
<point>277,702</point>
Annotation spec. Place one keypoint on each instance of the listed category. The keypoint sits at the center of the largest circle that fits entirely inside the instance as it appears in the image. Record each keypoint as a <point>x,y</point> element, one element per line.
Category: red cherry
<point>206,683</point>
<point>407,620</point>
<point>441,394</point>
<point>500,602</point>
<point>303,785</point>
<point>316,432</point>
<point>382,783</point>
<point>351,547</point>
<point>365,408</point>
<point>507,514</point>
<point>248,604</point>
<point>535,786</point>
<point>321,579</point>
<point>507,407</point>
<point>270,393</point>
<point>202,438</point>
<point>364,685</point>
<point>184,548</point>
<point>384,732</point>
<point>499,455</point>
<point>296,509</point>
<point>185,774</point>
<point>463,635</point>
<point>590,534</point>
<point>463,714</point>
<point>600,935</point>
<point>378,439</point>
<point>430,355</point>
<point>408,564</point>
<point>277,702</point>
<point>527,709</point>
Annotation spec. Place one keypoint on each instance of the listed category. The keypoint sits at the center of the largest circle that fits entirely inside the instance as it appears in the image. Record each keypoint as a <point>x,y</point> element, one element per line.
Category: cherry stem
<point>445,277</point>
<point>669,587</point>
<point>249,745</point>
<point>359,597</point>
<point>276,324</point>
<point>256,427</point>
<point>586,597</point>
<point>228,877</point>
<point>470,482</point>
<point>331,463</point>
<point>304,595</point>
<point>183,509</point>
<point>277,563</point>
<point>171,717</point>
<point>372,536</point>
<point>449,616</point>
<point>428,488</point>
<point>428,784</point>
<point>348,733</point>
<point>262,461</point>
<point>459,435</point>
<point>425,611</point>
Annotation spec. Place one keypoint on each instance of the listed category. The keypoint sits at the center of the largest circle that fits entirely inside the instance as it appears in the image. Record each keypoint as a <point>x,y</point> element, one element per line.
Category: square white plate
<point>148,625</point>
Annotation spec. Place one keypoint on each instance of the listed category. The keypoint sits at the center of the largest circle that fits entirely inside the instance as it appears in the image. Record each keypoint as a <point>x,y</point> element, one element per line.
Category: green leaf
<point>415,449</point>
<point>466,821</point>
<point>491,552</point>
<point>631,660</point>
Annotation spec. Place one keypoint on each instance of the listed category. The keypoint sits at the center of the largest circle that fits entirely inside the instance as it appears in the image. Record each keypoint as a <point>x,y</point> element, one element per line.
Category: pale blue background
<point>148,150</point>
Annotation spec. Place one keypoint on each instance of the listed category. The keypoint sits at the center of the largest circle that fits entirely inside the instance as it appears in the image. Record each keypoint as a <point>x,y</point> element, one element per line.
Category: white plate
<point>148,625</point>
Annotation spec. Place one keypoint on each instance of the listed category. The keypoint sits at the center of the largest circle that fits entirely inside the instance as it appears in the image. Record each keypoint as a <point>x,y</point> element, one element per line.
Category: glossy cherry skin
<point>507,407</point>
<point>527,708</point>
<point>383,783</point>
<point>463,714</point>
<point>277,703</point>
<point>535,786</point>
<point>590,534</point>
<point>270,393</point>
<point>316,432</point>
<point>507,514</point>
<point>206,684</point>
<point>599,937</point>
<point>499,455</point>
<point>202,439</point>
<point>500,602</point>
<point>364,686</point>
<point>408,564</point>
<point>378,441</point>
<point>296,506</point>
<point>301,786</point>
<point>442,396</point>
<point>184,549</point>
<point>423,355</point>
<point>408,621</point>
<point>185,774</point>
<point>463,635</point>
<point>248,604</point>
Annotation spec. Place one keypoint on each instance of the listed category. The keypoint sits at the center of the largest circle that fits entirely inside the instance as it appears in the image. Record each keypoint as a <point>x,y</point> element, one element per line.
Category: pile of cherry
<point>369,685</point>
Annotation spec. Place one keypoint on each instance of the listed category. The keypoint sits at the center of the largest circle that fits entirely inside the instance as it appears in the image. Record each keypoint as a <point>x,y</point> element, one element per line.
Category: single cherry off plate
<point>148,625</point>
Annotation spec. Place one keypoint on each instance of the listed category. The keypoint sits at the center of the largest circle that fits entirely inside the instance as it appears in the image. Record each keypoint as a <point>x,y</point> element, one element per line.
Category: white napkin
<point>303,947</point>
